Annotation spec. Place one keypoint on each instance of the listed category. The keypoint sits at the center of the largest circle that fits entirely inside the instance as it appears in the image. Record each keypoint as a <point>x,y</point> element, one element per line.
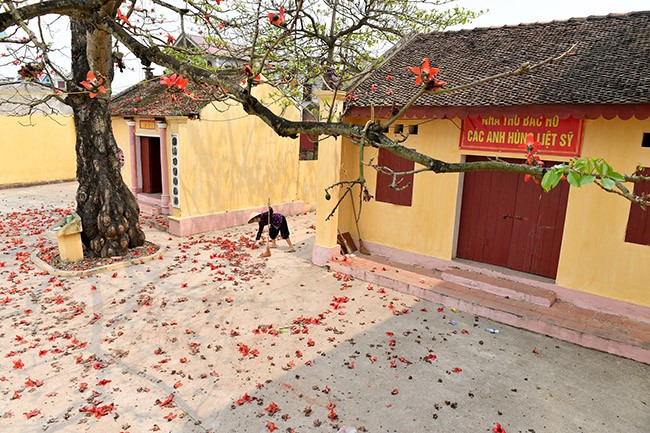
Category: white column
<point>164,168</point>
<point>133,159</point>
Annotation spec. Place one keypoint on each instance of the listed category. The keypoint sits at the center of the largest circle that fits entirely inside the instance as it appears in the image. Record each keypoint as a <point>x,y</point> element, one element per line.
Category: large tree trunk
<point>109,212</point>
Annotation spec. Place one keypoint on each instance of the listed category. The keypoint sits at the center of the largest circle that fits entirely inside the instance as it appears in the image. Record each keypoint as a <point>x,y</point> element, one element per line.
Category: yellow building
<point>590,247</point>
<point>204,163</point>
<point>40,138</point>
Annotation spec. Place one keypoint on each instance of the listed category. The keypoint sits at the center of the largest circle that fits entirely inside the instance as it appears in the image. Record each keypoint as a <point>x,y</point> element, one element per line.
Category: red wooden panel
<point>145,164</point>
<point>150,160</point>
<point>501,201</point>
<point>508,222</point>
<point>487,196</point>
<point>307,141</point>
<point>638,222</point>
<point>524,231</point>
<point>537,236</point>
<point>384,192</point>
<point>467,229</point>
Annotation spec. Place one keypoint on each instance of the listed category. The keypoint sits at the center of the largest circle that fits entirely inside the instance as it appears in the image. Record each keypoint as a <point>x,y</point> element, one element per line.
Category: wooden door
<point>508,222</point>
<point>150,161</point>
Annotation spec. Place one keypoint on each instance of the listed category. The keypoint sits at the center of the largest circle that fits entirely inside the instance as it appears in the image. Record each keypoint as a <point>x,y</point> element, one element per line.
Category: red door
<point>150,159</point>
<point>507,222</point>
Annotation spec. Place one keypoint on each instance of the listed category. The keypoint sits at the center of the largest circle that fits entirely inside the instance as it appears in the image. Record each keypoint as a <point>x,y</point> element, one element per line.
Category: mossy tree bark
<point>109,212</point>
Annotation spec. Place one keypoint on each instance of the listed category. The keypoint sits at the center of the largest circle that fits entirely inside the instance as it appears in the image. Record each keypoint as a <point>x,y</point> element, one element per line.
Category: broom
<point>362,247</point>
<point>267,253</point>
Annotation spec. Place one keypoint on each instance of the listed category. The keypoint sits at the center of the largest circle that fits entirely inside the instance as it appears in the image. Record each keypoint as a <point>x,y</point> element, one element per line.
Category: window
<point>638,222</point>
<point>308,147</point>
<point>403,195</point>
<point>646,140</point>
<point>309,143</point>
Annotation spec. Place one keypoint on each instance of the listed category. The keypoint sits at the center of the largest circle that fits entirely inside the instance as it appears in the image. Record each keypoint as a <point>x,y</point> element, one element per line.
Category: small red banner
<point>557,136</point>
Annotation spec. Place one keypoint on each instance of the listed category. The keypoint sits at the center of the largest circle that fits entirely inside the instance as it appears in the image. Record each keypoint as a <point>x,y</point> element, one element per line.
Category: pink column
<point>164,168</point>
<point>133,157</point>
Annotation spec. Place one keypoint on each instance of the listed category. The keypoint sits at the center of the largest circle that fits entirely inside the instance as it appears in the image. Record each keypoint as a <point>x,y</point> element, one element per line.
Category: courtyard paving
<point>212,338</point>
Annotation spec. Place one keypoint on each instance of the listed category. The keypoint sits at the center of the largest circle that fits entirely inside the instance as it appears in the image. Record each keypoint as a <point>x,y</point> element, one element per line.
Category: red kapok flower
<point>272,408</point>
<point>278,19</point>
<point>248,71</point>
<point>498,429</point>
<point>123,17</point>
<point>93,84</point>
<point>174,80</point>
<point>170,39</point>
<point>531,145</point>
<point>425,73</point>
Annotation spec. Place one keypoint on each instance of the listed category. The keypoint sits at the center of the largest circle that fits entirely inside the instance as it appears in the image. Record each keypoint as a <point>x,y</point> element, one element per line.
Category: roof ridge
<point>559,21</point>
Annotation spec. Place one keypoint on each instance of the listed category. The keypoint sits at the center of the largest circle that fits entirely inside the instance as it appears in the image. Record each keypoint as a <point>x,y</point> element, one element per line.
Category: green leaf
<point>601,167</point>
<point>587,179</point>
<point>607,183</point>
<point>551,179</point>
<point>573,178</point>
<point>579,164</point>
<point>616,176</point>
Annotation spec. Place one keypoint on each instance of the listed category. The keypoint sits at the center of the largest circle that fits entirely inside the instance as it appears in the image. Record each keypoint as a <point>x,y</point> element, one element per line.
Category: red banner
<point>556,136</point>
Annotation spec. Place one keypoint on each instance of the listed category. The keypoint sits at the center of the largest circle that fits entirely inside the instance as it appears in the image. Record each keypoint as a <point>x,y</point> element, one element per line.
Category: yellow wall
<point>42,150</point>
<point>594,257</point>
<point>230,160</point>
<point>307,184</point>
<point>121,134</point>
<point>427,226</point>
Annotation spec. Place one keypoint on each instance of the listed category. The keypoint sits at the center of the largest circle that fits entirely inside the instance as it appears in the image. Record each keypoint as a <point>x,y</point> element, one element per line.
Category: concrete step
<point>149,209</point>
<point>609,333</point>
<point>500,287</point>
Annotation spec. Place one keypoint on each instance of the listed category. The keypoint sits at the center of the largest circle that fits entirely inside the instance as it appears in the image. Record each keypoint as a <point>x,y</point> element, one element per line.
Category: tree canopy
<point>292,45</point>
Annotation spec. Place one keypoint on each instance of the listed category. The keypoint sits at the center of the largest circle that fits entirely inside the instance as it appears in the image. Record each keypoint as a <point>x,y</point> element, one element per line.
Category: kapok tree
<point>294,46</point>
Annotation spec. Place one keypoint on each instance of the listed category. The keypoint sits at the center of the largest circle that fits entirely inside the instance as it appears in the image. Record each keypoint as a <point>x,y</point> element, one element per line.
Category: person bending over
<point>278,226</point>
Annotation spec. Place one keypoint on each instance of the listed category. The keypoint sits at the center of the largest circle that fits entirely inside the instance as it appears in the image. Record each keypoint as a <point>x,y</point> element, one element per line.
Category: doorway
<point>150,165</point>
<point>507,222</point>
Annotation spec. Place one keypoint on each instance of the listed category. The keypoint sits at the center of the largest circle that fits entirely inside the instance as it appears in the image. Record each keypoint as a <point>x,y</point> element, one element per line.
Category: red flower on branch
<point>174,80</point>
<point>532,158</point>
<point>426,74</point>
<point>278,19</point>
<point>123,17</point>
<point>170,39</point>
<point>248,71</point>
<point>94,84</point>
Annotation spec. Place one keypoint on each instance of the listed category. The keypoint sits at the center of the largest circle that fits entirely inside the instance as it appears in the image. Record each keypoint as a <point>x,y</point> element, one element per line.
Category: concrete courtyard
<point>212,338</point>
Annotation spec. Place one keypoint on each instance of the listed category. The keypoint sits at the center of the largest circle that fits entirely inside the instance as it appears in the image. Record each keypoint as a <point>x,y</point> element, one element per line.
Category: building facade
<point>204,163</point>
<point>591,247</point>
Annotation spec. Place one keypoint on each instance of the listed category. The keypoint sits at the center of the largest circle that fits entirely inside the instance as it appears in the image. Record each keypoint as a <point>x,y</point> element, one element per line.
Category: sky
<point>513,12</point>
<point>498,13</point>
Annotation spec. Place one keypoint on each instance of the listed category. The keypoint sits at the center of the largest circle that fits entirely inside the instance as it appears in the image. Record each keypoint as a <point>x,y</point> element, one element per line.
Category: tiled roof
<point>18,99</point>
<point>150,98</point>
<point>611,64</point>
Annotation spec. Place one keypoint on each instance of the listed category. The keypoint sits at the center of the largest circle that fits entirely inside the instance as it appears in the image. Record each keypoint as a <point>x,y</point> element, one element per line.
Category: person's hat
<point>253,216</point>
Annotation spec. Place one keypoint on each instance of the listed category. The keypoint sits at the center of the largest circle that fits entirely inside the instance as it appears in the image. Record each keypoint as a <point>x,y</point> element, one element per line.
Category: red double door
<point>511,223</point>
